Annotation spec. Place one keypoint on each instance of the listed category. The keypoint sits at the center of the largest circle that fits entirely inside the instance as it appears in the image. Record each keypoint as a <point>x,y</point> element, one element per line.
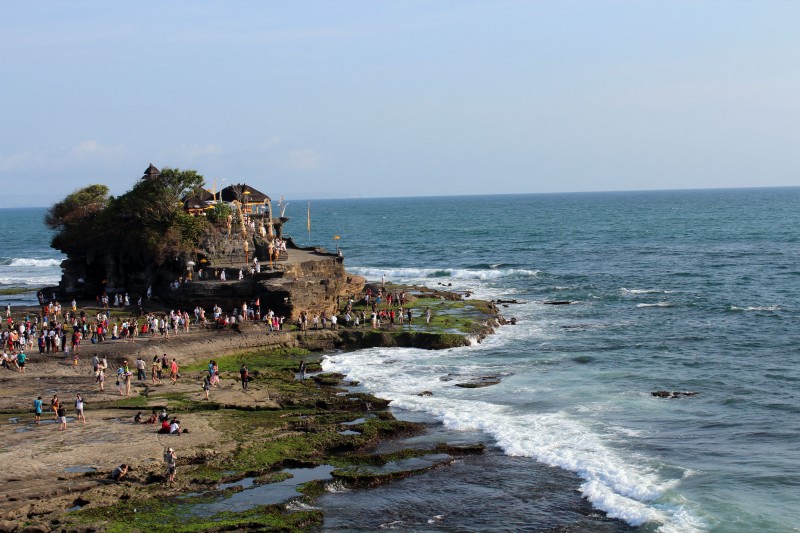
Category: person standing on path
<point>141,375</point>
<point>61,415</point>
<point>79,409</point>
<point>245,375</point>
<point>37,410</point>
<point>21,357</point>
<point>54,403</point>
<point>171,461</point>
<point>428,315</point>
<point>206,385</point>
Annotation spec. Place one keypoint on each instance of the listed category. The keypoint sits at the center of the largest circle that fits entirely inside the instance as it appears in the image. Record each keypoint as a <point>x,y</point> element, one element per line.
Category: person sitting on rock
<point>164,427</point>
<point>175,427</point>
<point>119,472</point>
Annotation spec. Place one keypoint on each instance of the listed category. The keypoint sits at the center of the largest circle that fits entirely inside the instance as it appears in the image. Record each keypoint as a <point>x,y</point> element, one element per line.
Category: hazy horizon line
<point>288,197</point>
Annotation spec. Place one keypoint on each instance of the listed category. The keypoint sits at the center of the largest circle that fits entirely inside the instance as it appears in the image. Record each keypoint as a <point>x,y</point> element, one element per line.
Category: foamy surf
<point>417,274</point>
<point>627,487</point>
<point>623,290</point>
<point>757,308</point>
<point>28,262</point>
<point>478,283</point>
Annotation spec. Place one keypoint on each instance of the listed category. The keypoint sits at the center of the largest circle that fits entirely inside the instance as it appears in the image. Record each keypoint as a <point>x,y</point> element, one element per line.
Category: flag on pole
<point>308,223</point>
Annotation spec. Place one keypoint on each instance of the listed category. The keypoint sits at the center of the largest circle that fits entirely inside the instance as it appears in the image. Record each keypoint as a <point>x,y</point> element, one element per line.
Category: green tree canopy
<point>77,207</point>
<point>75,217</point>
<point>147,223</point>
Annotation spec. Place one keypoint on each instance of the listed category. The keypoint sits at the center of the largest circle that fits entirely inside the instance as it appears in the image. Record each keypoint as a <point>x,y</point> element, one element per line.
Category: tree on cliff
<point>74,217</point>
<point>149,220</point>
<point>144,227</point>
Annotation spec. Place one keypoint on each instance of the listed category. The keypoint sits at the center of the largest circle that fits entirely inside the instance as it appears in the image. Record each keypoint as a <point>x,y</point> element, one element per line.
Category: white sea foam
<point>396,524</point>
<point>300,505</point>
<point>336,487</point>
<point>659,304</point>
<point>32,281</point>
<point>477,282</point>
<point>757,308</point>
<point>28,262</point>
<point>448,274</point>
<point>436,518</point>
<point>624,485</point>
<point>623,290</point>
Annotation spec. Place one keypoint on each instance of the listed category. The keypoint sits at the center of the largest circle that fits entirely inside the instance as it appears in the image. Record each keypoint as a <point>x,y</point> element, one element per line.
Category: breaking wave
<point>406,274</point>
<point>757,308</point>
<point>28,262</point>
<point>625,486</point>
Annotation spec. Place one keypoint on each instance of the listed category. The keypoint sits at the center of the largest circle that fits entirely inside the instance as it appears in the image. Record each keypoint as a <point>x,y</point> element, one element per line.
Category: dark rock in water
<point>477,385</point>
<point>461,449</point>
<point>557,302</point>
<point>507,302</point>
<point>673,394</point>
<point>425,393</point>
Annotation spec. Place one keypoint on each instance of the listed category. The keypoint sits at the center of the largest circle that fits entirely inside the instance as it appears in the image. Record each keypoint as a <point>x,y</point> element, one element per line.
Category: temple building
<point>251,200</point>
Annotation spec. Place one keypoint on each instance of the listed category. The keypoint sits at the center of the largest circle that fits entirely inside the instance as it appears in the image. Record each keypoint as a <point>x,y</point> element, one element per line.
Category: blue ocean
<point>680,291</point>
<point>26,260</point>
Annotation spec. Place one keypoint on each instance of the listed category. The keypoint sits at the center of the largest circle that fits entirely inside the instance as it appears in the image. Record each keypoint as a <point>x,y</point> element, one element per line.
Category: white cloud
<point>12,162</point>
<point>92,149</point>
<point>62,157</point>
<point>199,150</point>
<point>303,159</point>
<point>270,143</point>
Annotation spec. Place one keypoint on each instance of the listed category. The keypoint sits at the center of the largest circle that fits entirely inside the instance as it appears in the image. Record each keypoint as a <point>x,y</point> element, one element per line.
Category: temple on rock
<point>238,252</point>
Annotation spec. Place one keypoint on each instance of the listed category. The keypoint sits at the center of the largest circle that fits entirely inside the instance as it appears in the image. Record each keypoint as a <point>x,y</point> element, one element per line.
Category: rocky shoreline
<point>59,480</point>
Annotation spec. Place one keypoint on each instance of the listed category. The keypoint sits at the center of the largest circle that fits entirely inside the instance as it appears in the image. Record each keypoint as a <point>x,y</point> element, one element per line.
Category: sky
<point>339,99</point>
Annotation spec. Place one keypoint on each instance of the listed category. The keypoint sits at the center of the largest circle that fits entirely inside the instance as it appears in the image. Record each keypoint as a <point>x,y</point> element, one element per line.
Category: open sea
<point>692,291</point>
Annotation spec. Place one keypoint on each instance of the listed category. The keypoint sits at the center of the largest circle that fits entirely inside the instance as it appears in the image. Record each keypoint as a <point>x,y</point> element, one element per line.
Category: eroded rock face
<point>315,286</point>
<point>315,283</point>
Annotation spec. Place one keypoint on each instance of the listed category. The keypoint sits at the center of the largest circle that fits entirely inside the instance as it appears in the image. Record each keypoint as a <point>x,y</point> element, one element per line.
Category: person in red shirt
<point>173,371</point>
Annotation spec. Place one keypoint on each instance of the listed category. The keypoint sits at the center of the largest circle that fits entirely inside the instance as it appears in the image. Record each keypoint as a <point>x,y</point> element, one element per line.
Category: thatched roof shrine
<point>243,193</point>
<point>198,201</point>
<point>151,172</point>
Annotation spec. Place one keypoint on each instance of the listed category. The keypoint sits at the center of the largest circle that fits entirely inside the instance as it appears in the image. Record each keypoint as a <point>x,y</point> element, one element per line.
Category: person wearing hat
<point>172,464</point>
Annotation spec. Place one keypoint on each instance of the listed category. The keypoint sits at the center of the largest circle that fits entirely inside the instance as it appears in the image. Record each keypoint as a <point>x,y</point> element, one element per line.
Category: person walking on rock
<point>173,371</point>
<point>245,375</point>
<point>206,385</point>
